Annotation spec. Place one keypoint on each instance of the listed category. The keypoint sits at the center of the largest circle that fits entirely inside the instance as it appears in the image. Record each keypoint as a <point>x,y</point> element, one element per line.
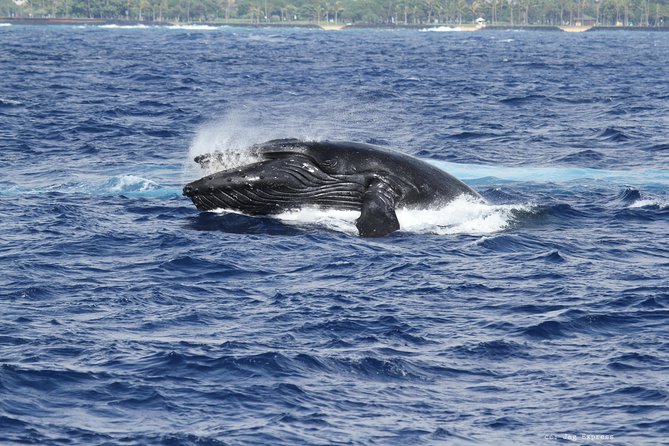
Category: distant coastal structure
<point>585,20</point>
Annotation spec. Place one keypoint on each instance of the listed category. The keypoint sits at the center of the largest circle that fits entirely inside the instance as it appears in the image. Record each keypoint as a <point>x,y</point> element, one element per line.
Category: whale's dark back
<point>419,181</point>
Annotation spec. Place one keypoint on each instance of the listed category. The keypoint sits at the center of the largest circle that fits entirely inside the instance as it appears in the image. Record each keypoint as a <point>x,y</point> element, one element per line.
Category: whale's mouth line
<point>253,200</point>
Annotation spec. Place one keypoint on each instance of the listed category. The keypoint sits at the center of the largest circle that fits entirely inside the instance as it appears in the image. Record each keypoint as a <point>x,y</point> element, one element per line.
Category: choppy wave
<point>125,184</point>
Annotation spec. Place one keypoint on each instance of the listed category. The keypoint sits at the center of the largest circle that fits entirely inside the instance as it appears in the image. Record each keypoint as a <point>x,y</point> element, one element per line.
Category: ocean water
<point>128,318</point>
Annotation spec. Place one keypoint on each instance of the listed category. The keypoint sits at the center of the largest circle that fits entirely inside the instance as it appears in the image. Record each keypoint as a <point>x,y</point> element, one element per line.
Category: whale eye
<point>330,163</point>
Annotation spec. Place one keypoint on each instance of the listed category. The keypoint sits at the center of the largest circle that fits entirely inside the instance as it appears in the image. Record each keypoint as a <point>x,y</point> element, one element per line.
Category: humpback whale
<point>291,174</point>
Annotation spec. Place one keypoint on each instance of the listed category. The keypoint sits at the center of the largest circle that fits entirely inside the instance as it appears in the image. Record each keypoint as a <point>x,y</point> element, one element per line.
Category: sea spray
<point>232,136</point>
<point>252,122</point>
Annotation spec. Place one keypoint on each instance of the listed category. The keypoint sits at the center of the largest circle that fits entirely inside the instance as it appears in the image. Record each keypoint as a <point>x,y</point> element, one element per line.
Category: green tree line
<point>376,12</point>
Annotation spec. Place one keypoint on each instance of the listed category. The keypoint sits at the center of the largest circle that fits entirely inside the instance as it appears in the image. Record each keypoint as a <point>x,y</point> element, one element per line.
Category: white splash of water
<point>233,135</point>
<point>333,219</point>
<point>650,202</point>
<point>230,138</point>
<point>463,215</point>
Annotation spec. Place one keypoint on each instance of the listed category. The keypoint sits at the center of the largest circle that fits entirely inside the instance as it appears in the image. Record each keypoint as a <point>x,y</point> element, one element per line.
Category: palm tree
<point>337,9</point>
<point>405,11</point>
<point>526,4</point>
<point>511,11</point>
<point>291,11</point>
<point>430,5</point>
<point>254,13</point>
<point>493,11</point>
<point>229,4</point>
<point>476,6</point>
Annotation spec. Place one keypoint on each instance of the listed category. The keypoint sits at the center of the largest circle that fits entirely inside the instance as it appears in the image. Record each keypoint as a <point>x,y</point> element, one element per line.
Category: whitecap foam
<point>129,183</point>
<point>194,27</point>
<point>265,38</point>
<point>650,202</point>
<point>114,26</point>
<point>10,103</point>
<point>442,29</point>
<point>5,24</point>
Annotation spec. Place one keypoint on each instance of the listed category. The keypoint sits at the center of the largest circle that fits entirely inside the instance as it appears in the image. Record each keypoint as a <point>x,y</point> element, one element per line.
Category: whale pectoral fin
<point>378,216</point>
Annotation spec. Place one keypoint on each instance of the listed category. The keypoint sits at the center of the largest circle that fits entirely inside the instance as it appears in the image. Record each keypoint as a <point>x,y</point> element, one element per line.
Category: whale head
<point>272,186</point>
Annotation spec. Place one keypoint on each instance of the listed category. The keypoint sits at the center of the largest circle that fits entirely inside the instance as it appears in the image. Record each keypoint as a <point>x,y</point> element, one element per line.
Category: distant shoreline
<point>327,26</point>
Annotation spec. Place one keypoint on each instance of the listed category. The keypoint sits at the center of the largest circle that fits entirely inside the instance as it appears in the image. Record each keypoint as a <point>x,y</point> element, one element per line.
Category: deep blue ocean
<point>129,318</point>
